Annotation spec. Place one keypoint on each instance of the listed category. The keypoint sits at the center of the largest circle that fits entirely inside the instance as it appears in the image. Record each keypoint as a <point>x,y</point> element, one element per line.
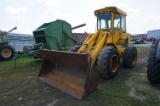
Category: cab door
<point>116,27</point>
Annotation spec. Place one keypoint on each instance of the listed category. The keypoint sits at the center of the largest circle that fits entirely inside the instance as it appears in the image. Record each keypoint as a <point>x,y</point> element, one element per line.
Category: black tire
<point>6,52</point>
<point>153,66</point>
<point>130,57</point>
<point>74,48</point>
<point>38,55</point>
<point>108,63</point>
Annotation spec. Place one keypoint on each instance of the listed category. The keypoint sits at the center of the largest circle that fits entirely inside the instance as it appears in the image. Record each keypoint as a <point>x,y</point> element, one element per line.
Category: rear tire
<point>6,52</point>
<point>108,63</point>
<point>153,66</point>
<point>130,57</point>
<point>74,48</point>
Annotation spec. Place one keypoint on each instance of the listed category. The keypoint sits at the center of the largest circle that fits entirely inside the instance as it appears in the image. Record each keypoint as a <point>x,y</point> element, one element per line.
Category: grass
<point>21,86</point>
<point>14,81</point>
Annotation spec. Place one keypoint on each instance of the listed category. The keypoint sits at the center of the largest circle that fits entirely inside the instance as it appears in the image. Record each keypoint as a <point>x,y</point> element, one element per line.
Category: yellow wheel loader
<point>77,71</point>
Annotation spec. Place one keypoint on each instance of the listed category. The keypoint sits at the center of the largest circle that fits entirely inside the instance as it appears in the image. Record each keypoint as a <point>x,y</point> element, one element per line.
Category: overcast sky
<point>27,15</point>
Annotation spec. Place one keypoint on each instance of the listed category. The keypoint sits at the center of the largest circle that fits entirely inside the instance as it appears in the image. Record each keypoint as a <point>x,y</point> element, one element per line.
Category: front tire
<point>153,66</point>
<point>6,52</point>
<point>108,63</point>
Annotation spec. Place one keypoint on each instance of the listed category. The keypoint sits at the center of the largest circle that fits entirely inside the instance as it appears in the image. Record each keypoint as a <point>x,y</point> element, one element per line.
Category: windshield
<point>4,37</point>
<point>104,20</point>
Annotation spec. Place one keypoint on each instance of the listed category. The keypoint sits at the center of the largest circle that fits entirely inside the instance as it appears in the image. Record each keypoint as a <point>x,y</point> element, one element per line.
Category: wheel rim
<point>6,53</point>
<point>114,63</point>
<point>134,59</point>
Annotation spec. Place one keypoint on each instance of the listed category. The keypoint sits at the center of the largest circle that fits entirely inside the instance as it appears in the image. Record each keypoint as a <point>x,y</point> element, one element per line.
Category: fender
<point>158,51</point>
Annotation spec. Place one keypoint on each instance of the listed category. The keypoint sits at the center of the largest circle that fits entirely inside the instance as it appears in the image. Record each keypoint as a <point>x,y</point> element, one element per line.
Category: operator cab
<point>3,36</point>
<point>107,16</point>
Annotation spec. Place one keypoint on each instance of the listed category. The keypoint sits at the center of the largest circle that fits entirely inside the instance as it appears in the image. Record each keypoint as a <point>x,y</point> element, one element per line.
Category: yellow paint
<point>6,52</point>
<point>115,9</point>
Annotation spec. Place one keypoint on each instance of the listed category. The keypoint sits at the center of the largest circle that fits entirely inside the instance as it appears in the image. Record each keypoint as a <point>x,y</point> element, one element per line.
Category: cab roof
<point>102,10</point>
<point>3,32</point>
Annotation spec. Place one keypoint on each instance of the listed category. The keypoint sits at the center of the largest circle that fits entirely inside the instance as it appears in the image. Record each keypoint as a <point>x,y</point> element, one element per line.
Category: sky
<point>27,15</point>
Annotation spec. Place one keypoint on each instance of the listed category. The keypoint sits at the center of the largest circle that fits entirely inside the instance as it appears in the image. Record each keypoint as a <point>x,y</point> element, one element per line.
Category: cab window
<point>117,21</point>
<point>4,38</point>
<point>124,23</point>
<point>104,20</point>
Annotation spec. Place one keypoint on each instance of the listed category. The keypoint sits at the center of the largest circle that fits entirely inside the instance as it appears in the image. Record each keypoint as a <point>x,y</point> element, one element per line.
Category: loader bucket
<point>73,73</point>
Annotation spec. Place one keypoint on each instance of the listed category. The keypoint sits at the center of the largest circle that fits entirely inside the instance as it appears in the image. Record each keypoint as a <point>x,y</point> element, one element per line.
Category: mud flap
<point>73,73</point>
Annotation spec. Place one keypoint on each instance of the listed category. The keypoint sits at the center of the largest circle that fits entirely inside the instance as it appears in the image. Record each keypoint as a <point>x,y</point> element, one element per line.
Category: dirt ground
<point>20,86</point>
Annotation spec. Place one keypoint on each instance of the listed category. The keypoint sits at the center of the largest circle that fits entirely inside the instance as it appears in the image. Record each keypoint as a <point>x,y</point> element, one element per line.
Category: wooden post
<point>15,62</point>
